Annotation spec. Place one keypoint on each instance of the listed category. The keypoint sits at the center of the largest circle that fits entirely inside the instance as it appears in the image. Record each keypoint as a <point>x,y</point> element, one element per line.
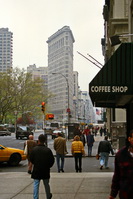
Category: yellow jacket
<point>77,147</point>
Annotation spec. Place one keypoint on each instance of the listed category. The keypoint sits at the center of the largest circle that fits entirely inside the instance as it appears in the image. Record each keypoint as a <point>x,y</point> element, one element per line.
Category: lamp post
<point>68,108</point>
<point>15,113</point>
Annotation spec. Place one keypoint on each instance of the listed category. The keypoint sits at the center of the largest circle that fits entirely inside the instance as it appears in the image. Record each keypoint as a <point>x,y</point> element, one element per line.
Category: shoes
<point>101,167</point>
<point>107,168</point>
<point>79,170</point>
<point>50,196</point>
<point>62,170</point>
<point>29,172</point>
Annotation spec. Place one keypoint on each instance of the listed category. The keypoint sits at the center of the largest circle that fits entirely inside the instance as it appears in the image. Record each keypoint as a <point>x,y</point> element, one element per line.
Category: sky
<point>34,21</point>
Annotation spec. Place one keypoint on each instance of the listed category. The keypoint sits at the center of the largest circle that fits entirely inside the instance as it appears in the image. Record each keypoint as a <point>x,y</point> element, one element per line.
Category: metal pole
<point>89,60</point>
<point>95,59</point>
<point>46,136</point>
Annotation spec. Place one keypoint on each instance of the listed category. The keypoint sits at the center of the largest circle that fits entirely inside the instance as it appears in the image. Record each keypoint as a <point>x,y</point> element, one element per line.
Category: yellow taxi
<point>11,155</point>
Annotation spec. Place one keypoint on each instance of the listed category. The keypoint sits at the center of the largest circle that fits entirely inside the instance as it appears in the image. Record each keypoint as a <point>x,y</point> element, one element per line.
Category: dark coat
<point>90,139</point>
<point>42,158</point>
<point>105,146</point>
<point>122,181</point>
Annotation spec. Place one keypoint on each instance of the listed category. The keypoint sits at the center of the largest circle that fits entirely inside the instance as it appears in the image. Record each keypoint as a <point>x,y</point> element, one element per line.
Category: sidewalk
<point>69,185</point>
<point>63,186</point>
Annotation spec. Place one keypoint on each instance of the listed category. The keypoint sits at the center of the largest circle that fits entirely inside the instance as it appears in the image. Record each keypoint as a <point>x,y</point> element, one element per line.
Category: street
<point>89,164</point>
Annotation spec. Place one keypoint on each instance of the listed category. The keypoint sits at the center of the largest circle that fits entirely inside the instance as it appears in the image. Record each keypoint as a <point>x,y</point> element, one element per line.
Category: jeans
<point>36,188</point>
<point>104,159</point>
<point>89,150</point>
<point>78,162</point>
<point>60,157</point>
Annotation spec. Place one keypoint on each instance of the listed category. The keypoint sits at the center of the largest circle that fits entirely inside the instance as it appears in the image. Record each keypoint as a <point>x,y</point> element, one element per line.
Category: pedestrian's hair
<point>60,134</point>
<point>41,138</point>
<point>131,133</point>
<point>76,138</point>
<point>106,137</point>
<point>128,135</point>
<point>31,137</point>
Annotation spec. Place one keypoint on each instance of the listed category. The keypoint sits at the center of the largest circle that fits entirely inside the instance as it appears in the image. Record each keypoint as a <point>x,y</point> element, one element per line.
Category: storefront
<point>112,87</point>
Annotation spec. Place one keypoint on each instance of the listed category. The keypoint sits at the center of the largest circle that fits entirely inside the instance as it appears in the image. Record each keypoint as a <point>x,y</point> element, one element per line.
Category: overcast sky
<point>33,21</point>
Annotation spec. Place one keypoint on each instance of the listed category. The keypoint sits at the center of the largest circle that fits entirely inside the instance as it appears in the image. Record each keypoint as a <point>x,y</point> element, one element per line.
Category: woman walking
<point>77,150</point>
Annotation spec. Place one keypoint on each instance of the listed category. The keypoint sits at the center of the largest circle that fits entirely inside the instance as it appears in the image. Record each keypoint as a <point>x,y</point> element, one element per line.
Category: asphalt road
<point>89,164</point>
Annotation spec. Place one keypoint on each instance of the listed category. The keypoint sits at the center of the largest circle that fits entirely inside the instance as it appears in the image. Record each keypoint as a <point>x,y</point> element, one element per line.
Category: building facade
<point>75,96</point>
<point>39,72</point>
<point>60,73</point>
<point>6,39</point>
<point>85,108</point>
<point>118,22</point>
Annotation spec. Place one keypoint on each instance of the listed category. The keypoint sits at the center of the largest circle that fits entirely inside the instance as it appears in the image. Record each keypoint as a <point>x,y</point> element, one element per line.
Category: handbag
<point>97,156</point>
<point>26,149</point>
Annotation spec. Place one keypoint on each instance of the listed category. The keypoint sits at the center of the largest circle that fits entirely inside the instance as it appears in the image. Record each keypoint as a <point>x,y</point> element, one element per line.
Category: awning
<point>113,85</point>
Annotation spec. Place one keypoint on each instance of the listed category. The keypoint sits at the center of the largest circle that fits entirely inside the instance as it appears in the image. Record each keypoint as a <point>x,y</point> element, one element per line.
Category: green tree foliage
<point>20,92</point>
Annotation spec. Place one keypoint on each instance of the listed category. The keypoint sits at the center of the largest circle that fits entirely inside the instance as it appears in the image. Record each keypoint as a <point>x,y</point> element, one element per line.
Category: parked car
<point>4,131</point>
<point>11,129</point>
<point>12,156</point>
<point>23,132</point>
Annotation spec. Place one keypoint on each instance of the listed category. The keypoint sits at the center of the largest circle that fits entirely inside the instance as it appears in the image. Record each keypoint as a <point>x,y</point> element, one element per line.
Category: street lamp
<point>68,108</point>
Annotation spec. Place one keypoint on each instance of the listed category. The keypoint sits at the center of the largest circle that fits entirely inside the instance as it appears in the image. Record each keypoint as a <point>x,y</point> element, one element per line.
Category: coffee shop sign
<point>109,89</point>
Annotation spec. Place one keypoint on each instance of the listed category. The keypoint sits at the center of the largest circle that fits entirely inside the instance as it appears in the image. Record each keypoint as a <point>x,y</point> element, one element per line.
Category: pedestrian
<point>82,138</point>
<point>86,130</point>
<point>105,131</point>
<point>122,181</point>
<point>104,149</point>
<point>77,150</point>
<point>42,159</point>
<point>90,142</point>
<point>101,131</point>
<point>61,150</point>
<point>108,134</point>
<point>30,145</point>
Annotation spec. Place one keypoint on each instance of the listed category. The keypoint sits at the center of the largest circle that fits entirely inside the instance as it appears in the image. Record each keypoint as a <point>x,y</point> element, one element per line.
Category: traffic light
<point>49,116</point>
<point>43,107</point>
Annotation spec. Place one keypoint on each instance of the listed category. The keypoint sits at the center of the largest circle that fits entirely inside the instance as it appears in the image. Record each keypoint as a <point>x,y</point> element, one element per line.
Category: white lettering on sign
<point>108,89</point>
<point>119,89</point>
<point>100,89</point>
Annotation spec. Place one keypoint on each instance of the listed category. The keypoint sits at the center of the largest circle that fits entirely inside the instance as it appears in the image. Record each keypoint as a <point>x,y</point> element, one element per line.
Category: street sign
<point>68,110</point>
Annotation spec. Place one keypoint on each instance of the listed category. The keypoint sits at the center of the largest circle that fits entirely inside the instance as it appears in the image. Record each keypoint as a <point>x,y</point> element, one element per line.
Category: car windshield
<point>56,131</point>
<point>24,128</point>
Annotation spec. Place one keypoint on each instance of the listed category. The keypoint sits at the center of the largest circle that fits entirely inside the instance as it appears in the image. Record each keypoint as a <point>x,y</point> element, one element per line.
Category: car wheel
<point>14,159</point>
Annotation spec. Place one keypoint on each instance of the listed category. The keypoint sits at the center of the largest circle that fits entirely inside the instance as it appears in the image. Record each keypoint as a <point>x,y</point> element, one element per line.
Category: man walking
<point>61,150</point>
<point>104,150</point>
<point>122,181</point>
<point>30,145</point>
<point>90,141</point>
<point>42,159</point>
